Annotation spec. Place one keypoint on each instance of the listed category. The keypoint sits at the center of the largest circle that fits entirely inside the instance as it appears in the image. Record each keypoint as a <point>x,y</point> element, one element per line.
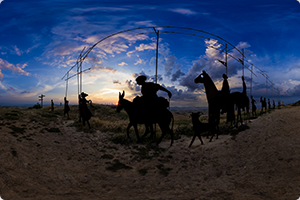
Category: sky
<point>40,41</point>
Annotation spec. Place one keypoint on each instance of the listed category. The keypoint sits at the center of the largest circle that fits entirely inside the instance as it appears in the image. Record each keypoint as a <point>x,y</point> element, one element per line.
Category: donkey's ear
<point>123,94</point>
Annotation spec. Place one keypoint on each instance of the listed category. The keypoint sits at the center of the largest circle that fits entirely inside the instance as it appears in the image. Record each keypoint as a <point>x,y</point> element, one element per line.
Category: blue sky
<point>41,40</point>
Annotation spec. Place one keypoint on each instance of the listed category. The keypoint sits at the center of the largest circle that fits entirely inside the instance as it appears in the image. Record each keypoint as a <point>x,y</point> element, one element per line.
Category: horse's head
<point>201,78</point>
<point>121,101</point>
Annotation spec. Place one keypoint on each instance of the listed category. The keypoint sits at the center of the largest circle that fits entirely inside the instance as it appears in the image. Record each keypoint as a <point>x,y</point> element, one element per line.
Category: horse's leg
<point>194,136</point>
<point>172,136</point>
<point>128,127</point>
<point>199,136</point>
<point>146,131</point>
<point>137,133</point>
<point>88,124</point>
<point>212,134</point>
<point>164,132</point>
<point>153,135</point>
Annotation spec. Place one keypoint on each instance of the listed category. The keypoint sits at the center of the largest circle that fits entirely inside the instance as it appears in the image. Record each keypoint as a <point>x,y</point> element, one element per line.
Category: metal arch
<point>83,54</point>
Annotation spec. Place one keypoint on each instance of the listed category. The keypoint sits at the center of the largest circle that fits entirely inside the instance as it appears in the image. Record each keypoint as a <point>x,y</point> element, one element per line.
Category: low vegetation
<point>105,119</point>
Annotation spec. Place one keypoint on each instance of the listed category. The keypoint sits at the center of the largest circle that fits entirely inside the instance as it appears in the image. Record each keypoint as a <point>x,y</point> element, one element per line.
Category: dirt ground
<point>260,163</point>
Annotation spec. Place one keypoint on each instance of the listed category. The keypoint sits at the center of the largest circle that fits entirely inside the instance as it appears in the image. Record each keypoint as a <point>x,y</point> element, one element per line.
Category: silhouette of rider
<point>225,92</point>
<point>225,88</point>
<point>269,104</point>
<point>149,91</point>
<point>273,104</point>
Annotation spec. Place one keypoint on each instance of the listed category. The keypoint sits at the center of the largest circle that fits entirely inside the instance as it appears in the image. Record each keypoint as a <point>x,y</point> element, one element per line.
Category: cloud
<point>131,85</point>
<point>117,82</point>
<point>17,51</point>
<point>139,61</point>
<point>298,1</point>
<point>1,1</point>
<point>183,11</point>
<point>14,68</point>
<point>10,89</point>
<point>295,91</point>
<point>99,68</point>
<point>25,92</point>
<point>100,9</point>
<point>177,75</point>
<point>122,64</point>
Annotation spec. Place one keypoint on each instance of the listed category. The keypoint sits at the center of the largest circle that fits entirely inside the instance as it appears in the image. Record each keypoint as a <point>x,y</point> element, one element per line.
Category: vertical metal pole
<point>80,76</point>
<point>243,62</point>
<point>266,87</point>
<point>226,58</point>
<point>67,85</point>
<point>251,80</point>
<point>157,39</point>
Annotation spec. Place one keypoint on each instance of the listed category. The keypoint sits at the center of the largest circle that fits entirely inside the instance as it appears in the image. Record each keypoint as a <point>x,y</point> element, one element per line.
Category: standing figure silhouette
<point>52,105</point>
<point>85,112</point>
<point>66,107</point>
<point>253,106</point>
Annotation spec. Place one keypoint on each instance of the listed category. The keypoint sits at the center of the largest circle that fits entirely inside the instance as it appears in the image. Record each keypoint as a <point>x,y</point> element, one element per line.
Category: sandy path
<point>260,163</point>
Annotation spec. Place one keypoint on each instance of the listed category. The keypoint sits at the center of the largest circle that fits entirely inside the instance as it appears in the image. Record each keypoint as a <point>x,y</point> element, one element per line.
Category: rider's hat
<point>141,78</point>
<point>225,76</point>
<point>84,94</point>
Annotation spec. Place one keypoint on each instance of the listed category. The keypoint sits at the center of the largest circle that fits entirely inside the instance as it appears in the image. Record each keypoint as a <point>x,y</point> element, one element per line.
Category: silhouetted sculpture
<point>253,106</point>
<point>150,102</point>
<point>198,127</point>
<point>52,105</point>
<point>225,93</point>
<point>269,104</point>
<point>263,104</point>
<point>66,107</point>
<point>273,104</point>
<point>138,116</point>
<point>85,112</point>
<point>215,101</point>
<point>279,104</point>
<point>225,87</point>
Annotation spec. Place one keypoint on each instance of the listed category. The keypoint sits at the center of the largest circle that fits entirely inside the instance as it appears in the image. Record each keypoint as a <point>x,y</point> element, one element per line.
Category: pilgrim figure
<point>52,105</point>
<point>253,106</point>
<point>66,107</point>
<point>85,112</point>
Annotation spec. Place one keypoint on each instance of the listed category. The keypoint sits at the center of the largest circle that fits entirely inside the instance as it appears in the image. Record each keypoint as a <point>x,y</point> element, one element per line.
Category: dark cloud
<point>169,64</point>
<point>132,85</point>
<point>295,91</point>
<point>117,82</point>
<point>25,92</point>
<point>181,95</point>
<point>99,68</point>
<point>149,78</point>
<point>193,72</point>
<point>10,89</point>
<point>177,75</point>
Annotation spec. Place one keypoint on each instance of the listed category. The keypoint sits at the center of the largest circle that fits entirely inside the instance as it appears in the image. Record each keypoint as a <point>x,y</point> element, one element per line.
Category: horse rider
<point>149,91</point>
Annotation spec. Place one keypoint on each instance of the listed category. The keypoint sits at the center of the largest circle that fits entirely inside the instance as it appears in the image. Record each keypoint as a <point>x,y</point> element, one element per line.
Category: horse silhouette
<point>216,101</point>
<point>137,116</point>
